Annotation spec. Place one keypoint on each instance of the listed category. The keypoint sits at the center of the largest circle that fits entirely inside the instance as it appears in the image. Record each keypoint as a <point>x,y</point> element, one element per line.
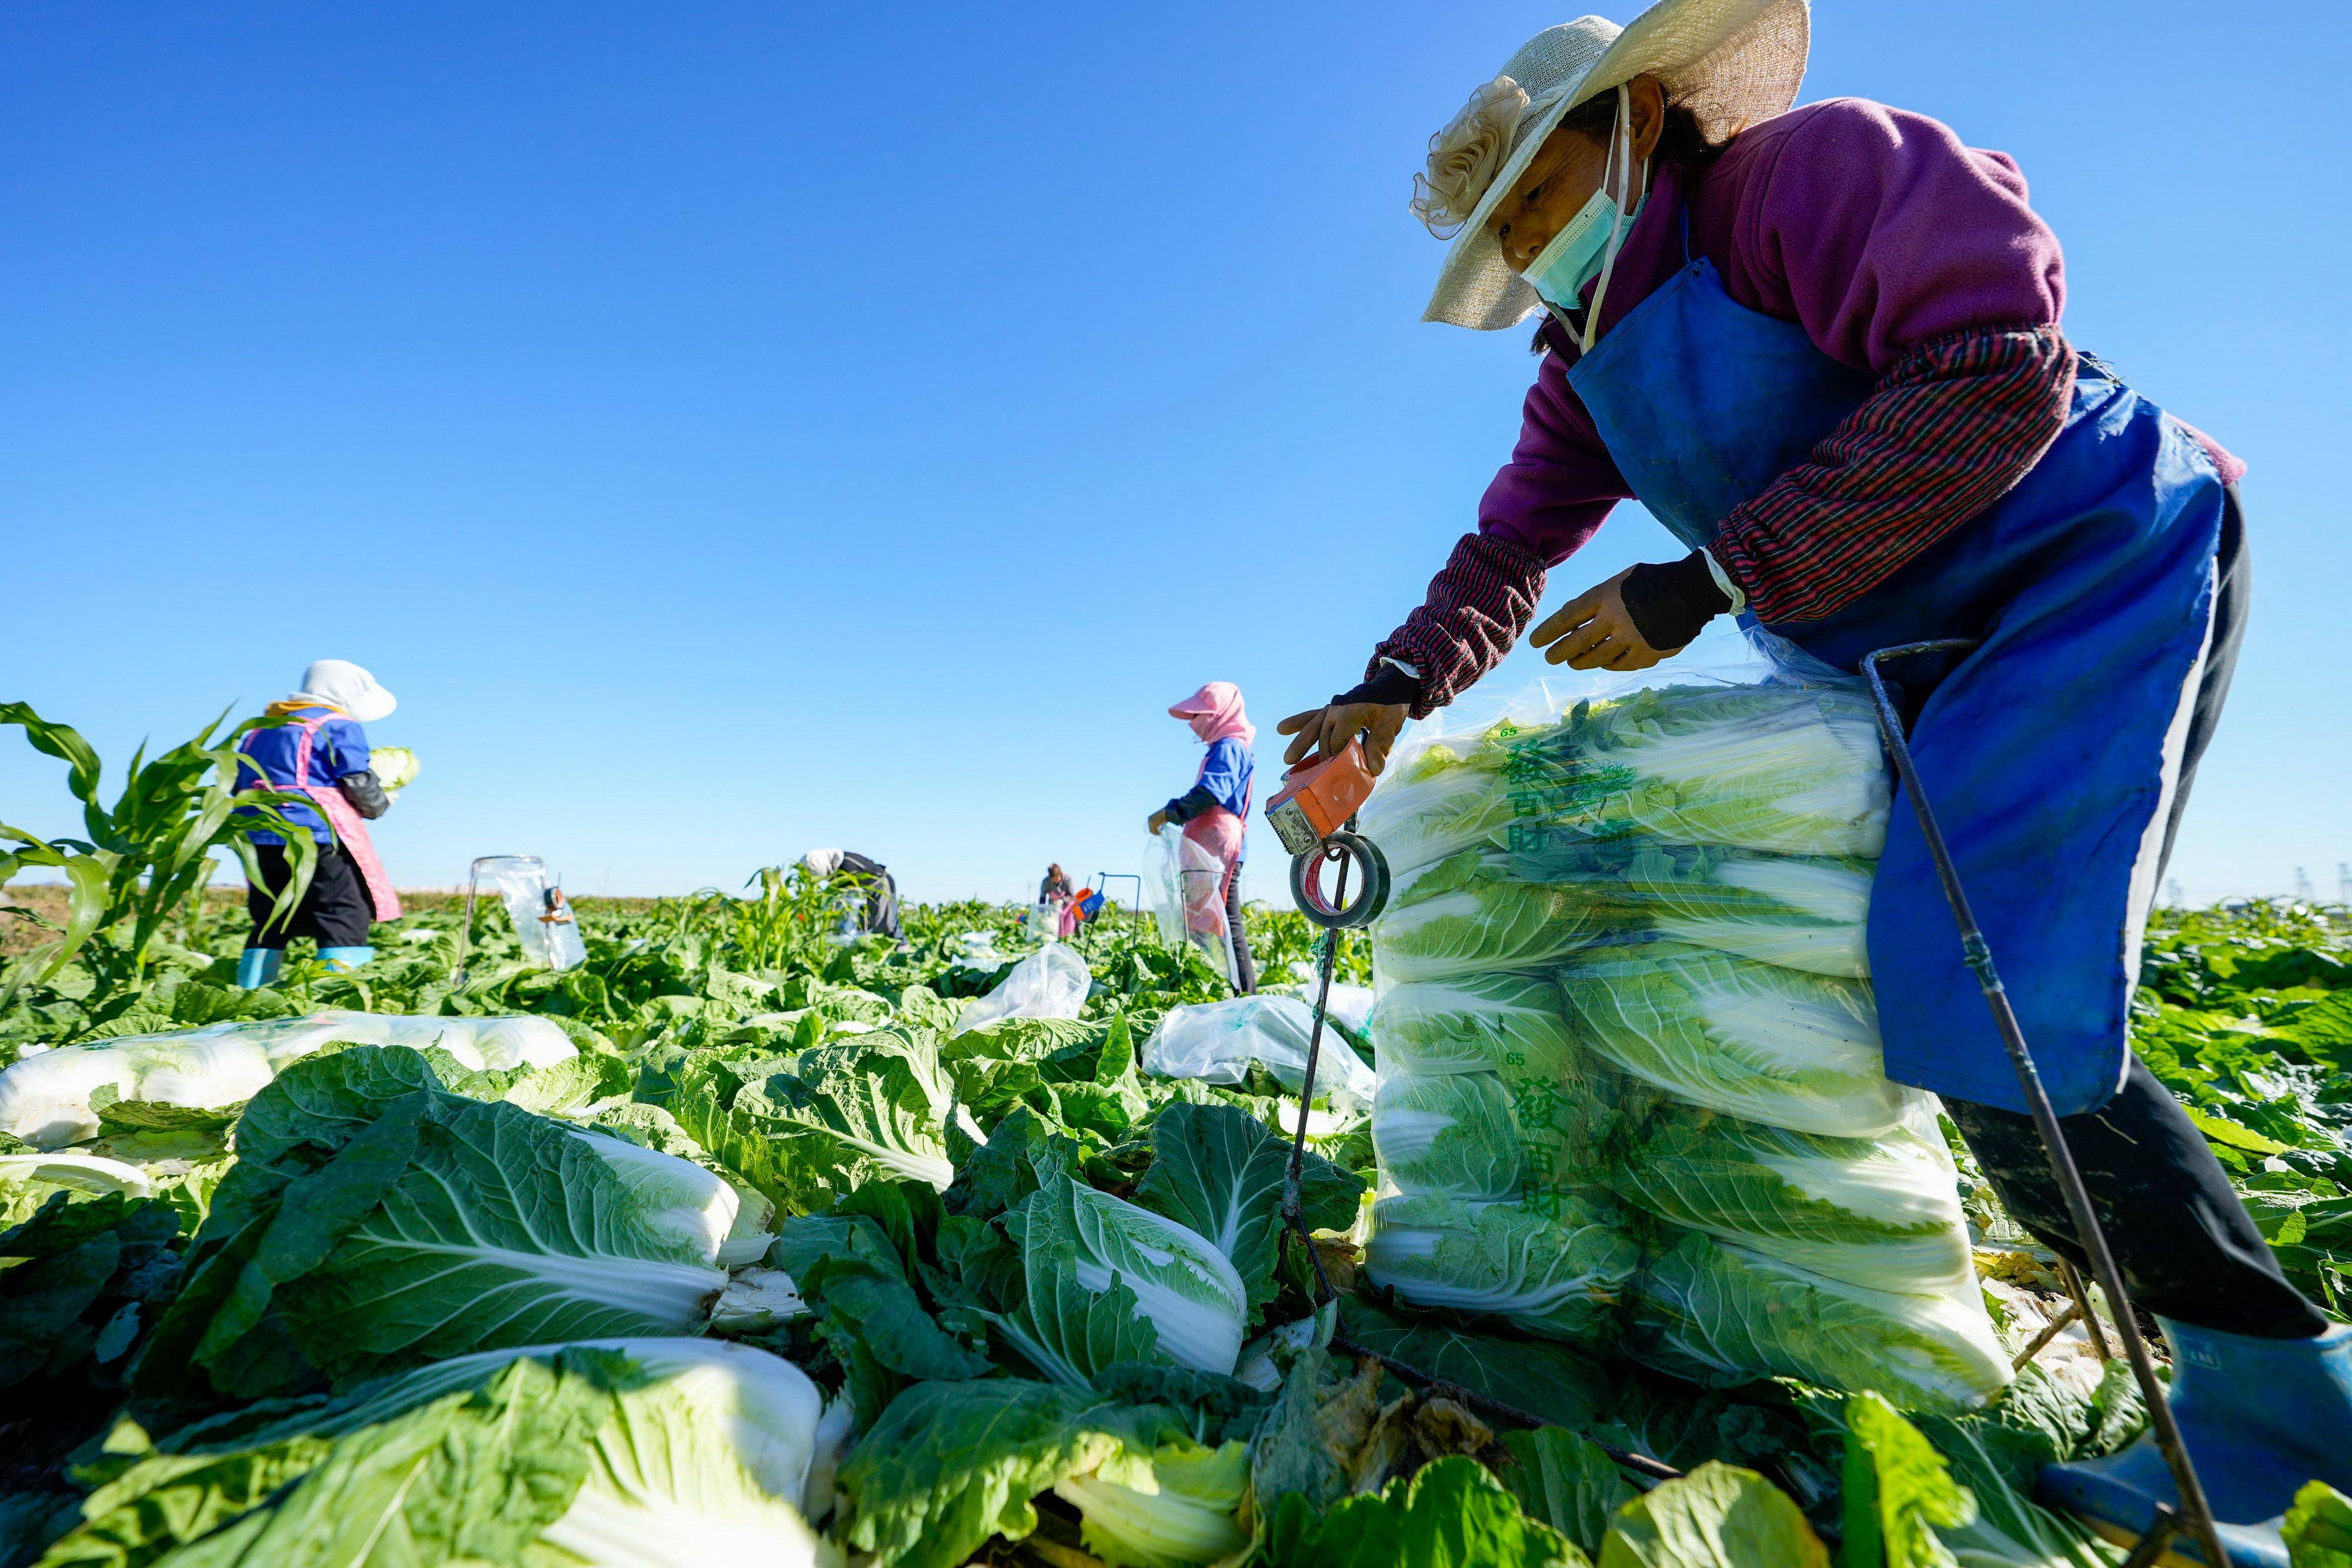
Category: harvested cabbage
<point>199,1077</point>
<point>1753,1040</point>
<point>394,766</point>
<point>1511,1024</point>
<point>1556,1267</point>
<point>1452,1135</point>
<point>1174,1508</point>
<point>633,1453</point>
<point>1720,1314</point>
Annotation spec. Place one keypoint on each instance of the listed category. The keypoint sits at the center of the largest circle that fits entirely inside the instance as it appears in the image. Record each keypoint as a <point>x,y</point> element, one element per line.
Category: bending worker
<point>1822,347</point>
<point>1215,812</point>
<point>319,752</point>
<point>881,913</point>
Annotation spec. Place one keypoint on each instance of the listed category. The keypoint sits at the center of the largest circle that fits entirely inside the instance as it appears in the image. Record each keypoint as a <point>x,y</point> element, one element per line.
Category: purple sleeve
<point>1560,482</point>
<point>1879,231</point>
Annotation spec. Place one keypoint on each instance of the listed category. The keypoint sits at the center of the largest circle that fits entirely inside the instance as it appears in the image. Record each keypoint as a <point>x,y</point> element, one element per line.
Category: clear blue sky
<point>734,428</point>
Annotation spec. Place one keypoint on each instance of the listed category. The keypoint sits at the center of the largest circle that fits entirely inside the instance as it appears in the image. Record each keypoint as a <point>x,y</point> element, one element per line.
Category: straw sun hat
<point>1731,62</point>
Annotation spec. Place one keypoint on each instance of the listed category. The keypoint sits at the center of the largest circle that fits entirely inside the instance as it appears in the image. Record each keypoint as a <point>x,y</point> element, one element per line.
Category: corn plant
<point>149,852</point>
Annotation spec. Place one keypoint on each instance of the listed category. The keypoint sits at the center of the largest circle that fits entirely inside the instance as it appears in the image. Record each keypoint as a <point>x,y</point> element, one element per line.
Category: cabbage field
<point>731,1244</point>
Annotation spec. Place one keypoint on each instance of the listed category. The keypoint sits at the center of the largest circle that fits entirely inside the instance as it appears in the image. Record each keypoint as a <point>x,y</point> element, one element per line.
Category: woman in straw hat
<point>1821,346</point>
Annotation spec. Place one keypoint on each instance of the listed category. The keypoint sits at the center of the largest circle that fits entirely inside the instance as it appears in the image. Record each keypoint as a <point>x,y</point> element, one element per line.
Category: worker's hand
<point>1158,820</point>
<point>1593,631</point>
<point>1326,731</point>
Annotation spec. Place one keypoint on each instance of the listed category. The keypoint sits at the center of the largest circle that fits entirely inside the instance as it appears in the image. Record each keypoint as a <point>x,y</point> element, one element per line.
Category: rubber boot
<point>2260,1417</point>
<point>257,966</point>
<point>344,960</point>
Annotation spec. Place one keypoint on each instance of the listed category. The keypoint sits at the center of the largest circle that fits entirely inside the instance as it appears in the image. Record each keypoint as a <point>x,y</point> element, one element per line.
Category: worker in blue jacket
<point>321,753</point>
<point>1214,814</point>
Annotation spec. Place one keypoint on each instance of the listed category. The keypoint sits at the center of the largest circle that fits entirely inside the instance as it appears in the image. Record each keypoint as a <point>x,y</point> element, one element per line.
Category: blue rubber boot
<point>2259,1416</point>
<point>257,966</point>
<point>345,959</point>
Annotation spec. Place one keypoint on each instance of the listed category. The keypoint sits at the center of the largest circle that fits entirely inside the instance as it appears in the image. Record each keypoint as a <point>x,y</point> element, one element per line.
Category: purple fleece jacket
<point>1874,228</point>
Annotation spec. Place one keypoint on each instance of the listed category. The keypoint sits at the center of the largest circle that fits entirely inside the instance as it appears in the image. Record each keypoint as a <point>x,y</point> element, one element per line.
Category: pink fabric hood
<point>1214,712</point>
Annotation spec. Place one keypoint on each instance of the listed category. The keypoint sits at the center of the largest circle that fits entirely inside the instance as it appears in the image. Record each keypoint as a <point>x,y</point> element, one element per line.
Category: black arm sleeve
<point>1190,804</point>
<point>366,796</point>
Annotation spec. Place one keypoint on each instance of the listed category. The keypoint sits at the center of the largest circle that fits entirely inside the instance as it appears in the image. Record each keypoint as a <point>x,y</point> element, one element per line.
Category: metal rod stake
<point>2196,1513</point>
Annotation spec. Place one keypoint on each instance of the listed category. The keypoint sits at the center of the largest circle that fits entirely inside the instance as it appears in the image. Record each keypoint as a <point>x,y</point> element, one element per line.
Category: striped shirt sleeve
<point>1475,609</point>
<point>1947,431</point>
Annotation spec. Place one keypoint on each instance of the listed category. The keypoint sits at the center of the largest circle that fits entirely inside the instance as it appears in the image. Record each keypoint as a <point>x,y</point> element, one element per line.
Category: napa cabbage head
<point>1173,1507</point>
<point>1482,926</point>
<point>1879,1212</point>
<point>394,768</point>
<point>1556,1266</point>
<point>1447,1135</point>
<point>655,1453</point>
<point>1793,769</point>
<point>29,1181</point>
<point>1189,1289</point>
<point>1502,1022</point>
<point>1721,1314</point>
<point>1759,1041</point>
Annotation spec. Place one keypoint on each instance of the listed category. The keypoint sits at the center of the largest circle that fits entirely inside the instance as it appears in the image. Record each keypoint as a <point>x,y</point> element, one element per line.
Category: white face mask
<point>1587,246</point>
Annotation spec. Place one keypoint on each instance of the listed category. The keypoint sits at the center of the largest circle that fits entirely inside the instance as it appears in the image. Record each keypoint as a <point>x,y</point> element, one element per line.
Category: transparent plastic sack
<point>1630,1088</point>
<point>1217,1042</point>
<point>1184,884</point>
<point>542,920</point>
<point>46,1099</point>
<point>1051,983</point>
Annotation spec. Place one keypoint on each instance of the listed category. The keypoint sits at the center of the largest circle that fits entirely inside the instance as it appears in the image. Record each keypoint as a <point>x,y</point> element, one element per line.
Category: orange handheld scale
<point>1318,798</point>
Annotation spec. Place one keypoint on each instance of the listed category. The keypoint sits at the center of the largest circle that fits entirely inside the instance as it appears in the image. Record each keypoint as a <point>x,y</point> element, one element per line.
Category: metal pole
<point>2196,1513</point>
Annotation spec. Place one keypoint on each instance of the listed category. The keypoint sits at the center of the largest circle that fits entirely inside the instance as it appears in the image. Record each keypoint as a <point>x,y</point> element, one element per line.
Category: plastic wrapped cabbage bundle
<point>1632,1092</point>
<point>1786,767</point>
<point>47,1099</point>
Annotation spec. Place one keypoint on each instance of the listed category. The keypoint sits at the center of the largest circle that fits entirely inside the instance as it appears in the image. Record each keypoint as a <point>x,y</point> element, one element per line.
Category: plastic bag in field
<point>1184,884</point>
<point>1631,1087</point>
<point>1051,983</point>
<point>47,1099</point>
<point>542,921</point>
<point>1216,1042</point>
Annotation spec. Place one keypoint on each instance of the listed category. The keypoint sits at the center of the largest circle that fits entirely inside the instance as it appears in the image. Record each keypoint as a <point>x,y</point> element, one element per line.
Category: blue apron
<point>2049,753</point>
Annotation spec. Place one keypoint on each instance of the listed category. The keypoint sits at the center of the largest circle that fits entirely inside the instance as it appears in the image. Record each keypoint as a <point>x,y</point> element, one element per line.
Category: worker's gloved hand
<point>1158,820</point>
<point>1326,731</point>
<point>365,794</point>
<point>1635,619</point>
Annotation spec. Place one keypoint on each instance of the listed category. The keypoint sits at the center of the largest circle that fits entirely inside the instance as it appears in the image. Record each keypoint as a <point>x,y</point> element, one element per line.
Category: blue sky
<point>736,428</point>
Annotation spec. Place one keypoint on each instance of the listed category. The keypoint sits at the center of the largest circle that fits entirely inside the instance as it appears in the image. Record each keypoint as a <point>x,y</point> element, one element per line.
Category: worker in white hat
<point>1821,346</point>
<point>317,749</point>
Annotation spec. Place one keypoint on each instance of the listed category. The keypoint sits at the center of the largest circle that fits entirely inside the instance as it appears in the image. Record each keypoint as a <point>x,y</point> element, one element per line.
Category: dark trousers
<point>334,913</point>
<point>1244,966</point>
<point>2185,1244</point>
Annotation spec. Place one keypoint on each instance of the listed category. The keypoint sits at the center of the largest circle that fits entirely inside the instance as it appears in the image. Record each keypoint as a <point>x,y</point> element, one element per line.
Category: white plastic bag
<point>1051,983</point>
<point>46,1099</point>
<point>1216,1041</point>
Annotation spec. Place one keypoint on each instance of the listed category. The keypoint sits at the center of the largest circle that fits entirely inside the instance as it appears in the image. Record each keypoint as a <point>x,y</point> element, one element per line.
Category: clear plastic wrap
<point>46,1099</point>
<point>1217,1042</point>
<point>542,920</point>
<point>1051,983</point>
<point>1184,884</point>
<point>1630,1088</point>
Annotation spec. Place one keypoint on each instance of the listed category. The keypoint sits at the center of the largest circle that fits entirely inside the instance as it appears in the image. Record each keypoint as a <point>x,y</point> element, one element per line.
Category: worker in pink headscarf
<point>1215,811</point>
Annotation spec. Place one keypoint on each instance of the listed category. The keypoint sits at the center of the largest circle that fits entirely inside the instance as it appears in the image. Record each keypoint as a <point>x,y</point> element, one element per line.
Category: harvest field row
<point>952,1209</point>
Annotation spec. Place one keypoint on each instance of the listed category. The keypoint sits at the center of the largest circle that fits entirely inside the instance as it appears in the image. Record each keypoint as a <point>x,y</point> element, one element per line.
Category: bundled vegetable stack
<point>1632,1092</point>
